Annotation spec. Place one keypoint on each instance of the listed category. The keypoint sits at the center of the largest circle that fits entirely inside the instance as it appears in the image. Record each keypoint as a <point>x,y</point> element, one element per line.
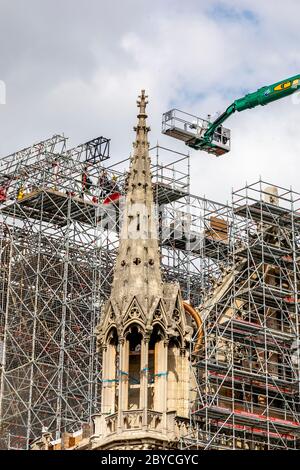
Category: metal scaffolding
<point>60,212</point>
<point>248,369</point>
<point>59,225</point>
<point>50,283</point>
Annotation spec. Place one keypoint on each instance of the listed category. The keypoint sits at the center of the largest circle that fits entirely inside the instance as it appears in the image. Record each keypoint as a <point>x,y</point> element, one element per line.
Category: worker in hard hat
<point>103,183</point>
<point>115,187</point>
<point>86,182</point>
<point>55,169</point>
<point>204,126</point>
<point>20,192</point>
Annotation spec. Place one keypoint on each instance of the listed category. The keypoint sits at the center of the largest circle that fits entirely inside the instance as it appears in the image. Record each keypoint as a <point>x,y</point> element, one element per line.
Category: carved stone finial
<point>142,102</point>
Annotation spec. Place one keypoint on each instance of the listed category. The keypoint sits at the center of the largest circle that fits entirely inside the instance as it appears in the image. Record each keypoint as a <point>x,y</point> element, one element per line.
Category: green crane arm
<point>262,96</point>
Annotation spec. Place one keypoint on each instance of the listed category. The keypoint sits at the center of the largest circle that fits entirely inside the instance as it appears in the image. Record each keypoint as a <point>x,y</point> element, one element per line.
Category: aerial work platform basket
<point>191,129</point>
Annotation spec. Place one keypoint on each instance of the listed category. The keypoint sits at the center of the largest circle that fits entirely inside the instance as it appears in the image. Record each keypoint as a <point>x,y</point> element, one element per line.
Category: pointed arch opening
<point>110,373</point>
<point>156,366</point>
<point>133,346</point>
<point>179,378</point>
<point>173,374</point>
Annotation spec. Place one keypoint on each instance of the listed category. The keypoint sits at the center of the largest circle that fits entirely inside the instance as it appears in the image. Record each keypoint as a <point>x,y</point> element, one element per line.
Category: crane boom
<point>262,97</point>
<point>212,137</point>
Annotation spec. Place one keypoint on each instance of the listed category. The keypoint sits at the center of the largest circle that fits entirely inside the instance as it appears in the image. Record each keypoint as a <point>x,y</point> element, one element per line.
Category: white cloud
<point>78,70</point>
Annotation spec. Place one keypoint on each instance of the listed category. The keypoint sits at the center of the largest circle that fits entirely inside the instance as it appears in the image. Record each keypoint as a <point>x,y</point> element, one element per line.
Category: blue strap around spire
<point>109,380</point>
<point>161,374</point>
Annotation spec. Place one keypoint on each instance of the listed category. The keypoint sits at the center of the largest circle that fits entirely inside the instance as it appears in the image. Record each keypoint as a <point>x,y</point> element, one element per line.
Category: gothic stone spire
<point>137,270</point>
<point>143,325</point>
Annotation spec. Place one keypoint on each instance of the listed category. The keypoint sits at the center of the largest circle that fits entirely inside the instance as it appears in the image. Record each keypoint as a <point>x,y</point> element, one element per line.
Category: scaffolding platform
<point>216,378</point>
<point>269,297</point>
<point>212,249</point>
<point>216,249</point>
<point>252,333</point>
<point>183,245</point>
<point>248,432</point>
<point>240,372</point>
<point>268,213</point>
<point>165,193</point>
<point>266,253</point>
<point>247,418</point>
<point>52,206</point>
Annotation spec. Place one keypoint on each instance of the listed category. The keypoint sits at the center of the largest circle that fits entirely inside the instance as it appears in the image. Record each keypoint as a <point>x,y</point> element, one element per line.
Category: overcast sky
<point>76,67</point>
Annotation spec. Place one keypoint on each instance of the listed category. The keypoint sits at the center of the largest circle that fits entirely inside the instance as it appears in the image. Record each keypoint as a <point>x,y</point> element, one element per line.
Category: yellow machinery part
<point>196,317</point>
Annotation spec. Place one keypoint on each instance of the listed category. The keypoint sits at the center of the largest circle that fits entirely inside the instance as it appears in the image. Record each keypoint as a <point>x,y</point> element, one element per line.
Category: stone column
<point>160,381</point>
<point>144,380</point>
<point>164,384</point>
<point>271,322</point>
<point>123,381</point>
<point>173,378</point>
<point>185,381</point>
<point>105,399</point>
<point>111,377</point>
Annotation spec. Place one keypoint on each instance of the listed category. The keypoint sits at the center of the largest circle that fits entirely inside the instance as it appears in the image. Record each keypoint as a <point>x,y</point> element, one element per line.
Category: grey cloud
<point>76,66</point>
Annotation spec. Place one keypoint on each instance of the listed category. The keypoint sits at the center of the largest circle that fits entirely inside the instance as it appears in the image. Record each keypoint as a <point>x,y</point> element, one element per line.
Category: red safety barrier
<point>114,197</point>
<point>3,194</point>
